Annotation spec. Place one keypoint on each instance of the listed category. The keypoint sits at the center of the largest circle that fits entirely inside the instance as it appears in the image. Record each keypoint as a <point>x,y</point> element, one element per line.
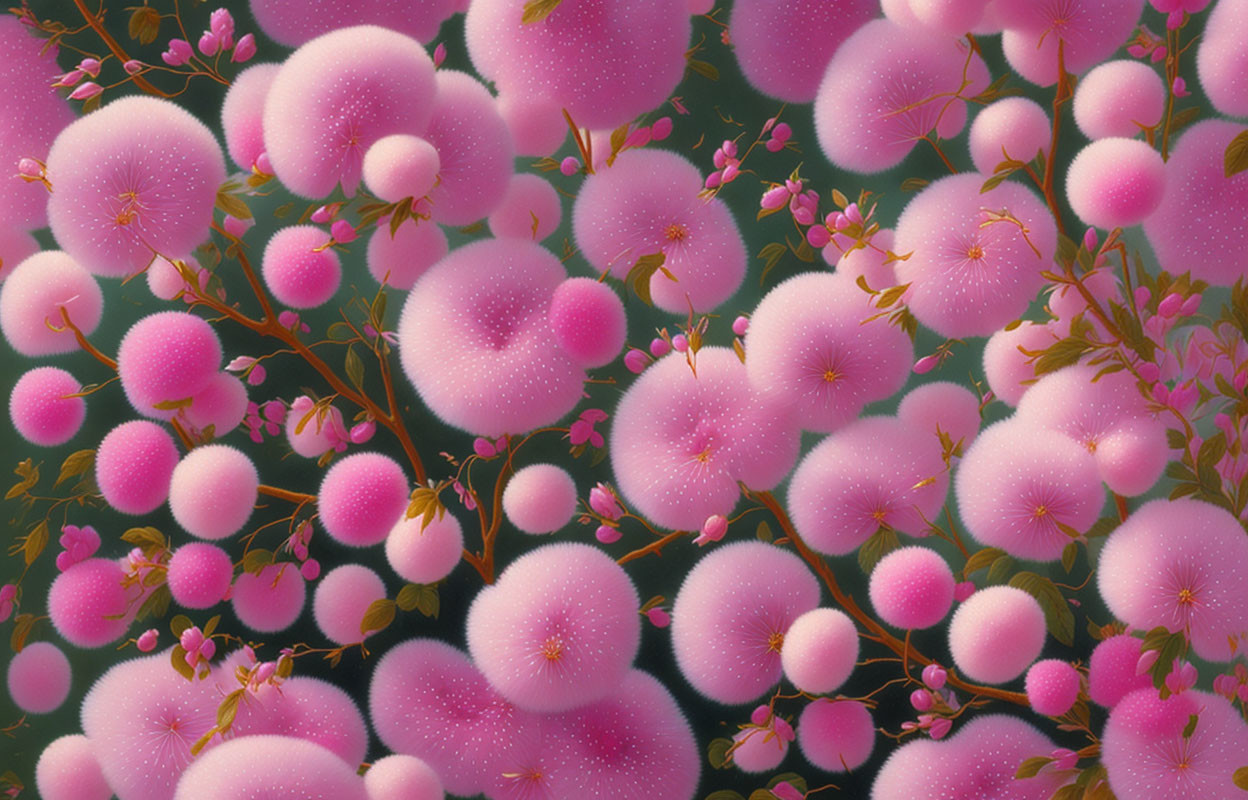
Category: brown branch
<point>84,344</point>
<point>115,48</point>
<point>655,547</point>
<point>287,495</point>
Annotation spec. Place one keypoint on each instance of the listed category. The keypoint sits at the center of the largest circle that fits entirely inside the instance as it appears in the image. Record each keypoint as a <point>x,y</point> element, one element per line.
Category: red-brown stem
<point>1060,96</point>
<point>846,602</point>
<point>655,547</point>
<point>115,48</point>
<point>1120,503</point>
<point>285,494</point>
<point>84,344</point>
<point>941,153</point>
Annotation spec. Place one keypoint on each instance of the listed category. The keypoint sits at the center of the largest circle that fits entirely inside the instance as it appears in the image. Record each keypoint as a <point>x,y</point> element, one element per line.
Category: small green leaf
<point>179,624</point>
<point>378,617</point>
<point>717,753</point>
<point>538,10</point>
<point>1069,552</point>
<point>981,559</point>
<point>1032,766</point>
<point>75,464</point>
<point>641,272</point>
<point>881,543</point>
<point>355,368</point>
<point>408,597</point>
<point>1235,160</point>
<point>1190,727</point>
<point>1240,778</point>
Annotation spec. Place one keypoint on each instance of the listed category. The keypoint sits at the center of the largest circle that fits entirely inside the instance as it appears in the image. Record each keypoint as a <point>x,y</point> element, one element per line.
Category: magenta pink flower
<point>179,53</point>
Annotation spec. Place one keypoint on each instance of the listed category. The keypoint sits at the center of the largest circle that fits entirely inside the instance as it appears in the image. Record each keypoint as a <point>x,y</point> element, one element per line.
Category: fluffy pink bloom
<point>808,348</point>
<point>648,203</point>
<point>33,116</point>
<point>996,634</point>
<point>474,148</point>
<point>298,268</point>
<point>39,678</point>
<point>41,407</point>
<point>836,736</point>
<point>1052,686</point>
<point>293,22</point>
<point>212,491</point>
<point>117,194</point>
<point>876,73</point>
<point>34,294</point>
<point>1014,127</point>
<point>400,259</point>
<point>1020,482</point>
<point>134,465</point>
<point>540,498</point>
<point>1112,672</point>
<point>428,700</point>
<point>474,339</point>
<point>428,554</point>
<point>1089,32</point>
<point>68,770</point>
<point>783,47</point>
<point>558,629</point>
<point>1209,205</point>
<point>1116,182</point>
<point>968,278</point>
<point>335,96</point>
<point>680,443</point>
<point>270,601</point>
<point>282,765</point>
<point>528,197</point>
<point>361,498</point>
<point>199,575</point>
<point>1221,60</point>
<point>1118,98</point>
<point>731,615</point>
<point>576,57</point>
<point>1148,757</point>
<point>1179,564</point>
<point>588,321</point>
<point>142,718</point>
<point>875,472</point>
<point>820,650</point>
<point>165,357</point>
<point>912,588</point>
<point>625,745</point>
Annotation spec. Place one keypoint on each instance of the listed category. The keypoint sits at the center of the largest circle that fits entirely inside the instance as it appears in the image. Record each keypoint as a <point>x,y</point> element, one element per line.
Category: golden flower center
<point>676,232</point>
<point>1040,511</point>
<point>1186,597</point>
<point>775,642</point>
<point>831,375</point>
<point>975,252</point>
<point>552,649</point>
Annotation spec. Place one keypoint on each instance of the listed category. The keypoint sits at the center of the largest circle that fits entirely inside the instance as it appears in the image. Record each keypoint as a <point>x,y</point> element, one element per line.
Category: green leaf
<point>229,709</point>
<point>641,272</point>
<point>178,624</point>
<point>999,570</point>
<point>427,602</point>
<point>763,532</point>
<point>881,543</point>
<point>704,68</point>
<point>1058,617</point>
<point>717,753</point>
<point>22,625</point>
<point>378,617</point>
<point>355,368</point>
<point>538,10</point>
<point>177,657</point>
<point>1240,778</point>
<point>1032,766</point>
<point>771,255</point>
<point>34,542</point>
<point>256,560</point>
<point>981,559</point>
<point>156,604</point>
<point>408,597</point>
<point>75,464</point>
<point>232,205</point>
<point>1190,727</point>
<point>913,184</point>
<point>144,24</point>
<point>1069,552</point>
<point>1235,160</point>
<point>1061,353</point>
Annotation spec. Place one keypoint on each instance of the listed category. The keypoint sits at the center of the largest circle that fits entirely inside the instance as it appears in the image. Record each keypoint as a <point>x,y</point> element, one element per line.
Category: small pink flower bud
<point>147,641</point>
<point>1146,661</point>
<point>570,165</point>
<point>310,569</point>
<point>236,227</point>
<point>713,180</point>
<point>658,617</point>
<point>1170,305</point>
<point>1174,20</point>
<point>221,23</point>
<point>818,236</point>
<point>1149,371</point>
<point>636,361</point>
<point>661,129</point>
<point>730,173</point>
<point>680,343</point>
<point>782,132</point>
<point>244,49</point>
<point>940,728</point>
<point>363,431</point>
<point>265,671</point>
<point>179,53</point>
<point>70,78</point>
<point>729,148</point>
<point>1190,306</point>
<point>921,699</point>
<point>191,639</point>
<point>439,55</point>
<point>8,593</point>
<point>208,649</point>
<point>775,197</point>
<point>91,66</point>
<point>484,448</point>
<point>342,231</point>
<point>926,364</point>
<point>659,347</point>
<point>257,375</point>
<point>638,138</point>
<point>934,676</point>
<point>132,67</point>
<point>29,168</point>
<point>1179,87</point>
<point>1159,55</point>
<point>1090,240</point>
<point>262,165</point>
<point>713,529</point>
<point>607,535</point>
<point>740,325</point>
<point>773,145</point>
<point>85,91</point>
<point>324,214</point>
<point>761,715</point>
<point>209,43</point>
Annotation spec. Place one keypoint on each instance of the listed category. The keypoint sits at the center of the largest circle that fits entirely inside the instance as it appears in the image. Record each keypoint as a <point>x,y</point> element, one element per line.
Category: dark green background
<point>729,96</point>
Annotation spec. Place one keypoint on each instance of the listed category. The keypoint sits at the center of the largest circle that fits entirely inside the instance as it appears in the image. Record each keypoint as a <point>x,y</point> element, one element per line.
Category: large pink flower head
<point>213,490</point>
<point>1020,482</point>
<point>878,96</point>
<point>820,650</point>
<point>400,777</point>
<point>293,22</point>
<point>558,629</point>
<point>1210,205</point>
<point>680,442</point>
<point>836,735</point>
<point>475,341</point>
<point>1119,98</point>
<point>342,598</point>
<point>271,600</point>
<point>400,259</point>
<point>625,745</point>
<point>953,17</point>
<point>1108,418</point>
<point>474,148</point>
<point>43,408</point>
<point>142,718</point>
<point>1112,671</point>
<point>808,348</point>
<point>39,678</point>
<point>68,770</point>
<point>1221,59</point>
<point>361,498</point>
<point>605,62</point>
<point>166,357</point>
<point>33,296</point>
<point>731,615</point>
<point>299,267</point>
<point>305,708</point>
<point>242,114</point>
<point>996,633</point>
<point>1181,564</point>
<point>16,246</point>
<point>783,47</point>
<point>980,761</point>
<point>531,209</point>
<point>976,258</point>
<point>1087,32</point>
<point>876,472</point>
<point>1148,756</point>
<point>335,96</point>
<point>428,700</point>
<point>648,203</point>
<point>137,177</point>
<point>1115,182</point>
<point>270,766</point>
<point>31,115</point>
<point>424,553</point>
<point>944,407</point>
